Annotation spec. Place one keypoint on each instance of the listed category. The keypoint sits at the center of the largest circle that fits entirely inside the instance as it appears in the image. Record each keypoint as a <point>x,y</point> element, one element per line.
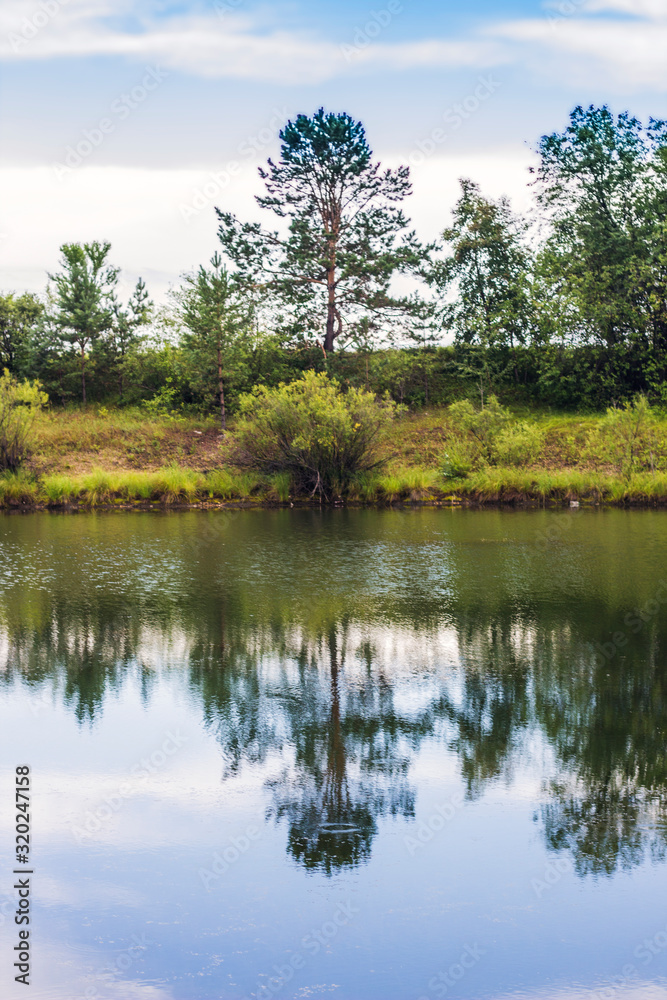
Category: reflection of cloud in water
<point>605,990</point>
<point>60,972</point>
<point>49,891</point>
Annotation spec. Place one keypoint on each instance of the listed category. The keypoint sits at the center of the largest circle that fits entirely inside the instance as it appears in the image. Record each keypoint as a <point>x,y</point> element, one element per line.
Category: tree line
<point>564,306</point>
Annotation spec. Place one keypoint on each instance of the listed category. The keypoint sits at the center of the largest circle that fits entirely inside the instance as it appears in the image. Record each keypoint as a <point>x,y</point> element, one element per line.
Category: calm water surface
<point>359,755</point>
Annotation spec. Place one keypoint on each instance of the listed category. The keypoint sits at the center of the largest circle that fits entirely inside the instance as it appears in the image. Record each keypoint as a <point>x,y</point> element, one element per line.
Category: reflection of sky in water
<point>256,767</point>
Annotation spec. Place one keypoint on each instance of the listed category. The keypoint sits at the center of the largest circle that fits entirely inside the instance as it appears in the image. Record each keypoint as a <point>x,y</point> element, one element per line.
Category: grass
<point>76,442</point>
<point>128,457</point>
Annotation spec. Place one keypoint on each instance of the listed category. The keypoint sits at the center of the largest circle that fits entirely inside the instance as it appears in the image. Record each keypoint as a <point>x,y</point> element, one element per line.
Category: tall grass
<point>170,485</point>
<point>18,488</point>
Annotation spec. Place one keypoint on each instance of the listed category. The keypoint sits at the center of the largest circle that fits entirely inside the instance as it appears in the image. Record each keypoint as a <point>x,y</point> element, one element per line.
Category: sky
<point>129,120</point>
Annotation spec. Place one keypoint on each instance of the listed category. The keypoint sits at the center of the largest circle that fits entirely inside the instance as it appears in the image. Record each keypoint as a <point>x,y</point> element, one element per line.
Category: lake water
<point>358,755</point>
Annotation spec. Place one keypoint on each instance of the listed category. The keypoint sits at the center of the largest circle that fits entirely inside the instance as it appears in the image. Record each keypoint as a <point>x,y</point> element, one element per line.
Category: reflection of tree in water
<point>349,751</point>
<point>490,714</point>
<point>604,827</point>
<point>272,682</point>
<point>608,726</point>
<point>350,767</point>
<point>604,722</point>
<point>88,656</point>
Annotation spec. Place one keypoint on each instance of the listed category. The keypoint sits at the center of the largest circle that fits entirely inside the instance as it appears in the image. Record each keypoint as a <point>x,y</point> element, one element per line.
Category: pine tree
<point>84,298</point>
<point>217,325</point>
<point>346,236</point>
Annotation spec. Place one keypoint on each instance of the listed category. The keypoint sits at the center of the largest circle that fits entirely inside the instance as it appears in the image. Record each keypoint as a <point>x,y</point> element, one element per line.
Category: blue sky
<point>130,119</point>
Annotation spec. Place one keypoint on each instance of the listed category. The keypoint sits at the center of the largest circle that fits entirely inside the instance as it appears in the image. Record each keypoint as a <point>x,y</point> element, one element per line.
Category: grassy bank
<point>122,457</point>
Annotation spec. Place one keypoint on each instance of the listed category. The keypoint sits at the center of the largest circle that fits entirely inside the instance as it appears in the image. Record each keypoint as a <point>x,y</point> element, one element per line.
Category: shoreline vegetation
<point>101,458</point>
<point>288,372</point>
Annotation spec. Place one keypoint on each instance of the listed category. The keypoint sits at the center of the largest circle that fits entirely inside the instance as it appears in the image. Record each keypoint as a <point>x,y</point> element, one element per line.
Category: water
<point>360,755</point>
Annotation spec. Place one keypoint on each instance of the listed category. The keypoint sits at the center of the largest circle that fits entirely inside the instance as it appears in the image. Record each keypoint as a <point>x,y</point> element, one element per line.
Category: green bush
<point>627,438</point>
<point>312,430</point>
<point>483,426</point>
<point>518,444</point>
<point>19,404</point>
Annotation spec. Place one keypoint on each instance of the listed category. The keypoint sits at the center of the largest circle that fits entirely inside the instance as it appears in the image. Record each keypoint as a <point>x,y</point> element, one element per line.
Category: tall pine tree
<point>345,238</point>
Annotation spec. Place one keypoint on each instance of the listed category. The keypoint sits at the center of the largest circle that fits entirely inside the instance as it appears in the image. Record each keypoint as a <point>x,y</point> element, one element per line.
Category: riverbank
<point>119,458</point>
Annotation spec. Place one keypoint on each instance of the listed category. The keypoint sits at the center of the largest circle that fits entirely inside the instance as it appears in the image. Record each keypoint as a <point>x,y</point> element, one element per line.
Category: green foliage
<point>518,444</point>
<point>315,432</point>
<point>627,438</point>
<point>84,298</point>
<point>489,268</point>
<point>164,401</point>
<point>216,326</point>
<point>17,488</point>
<point>459,460</point>
<point>602,183</point>
<point>346,238</point>
<point>58,489</point>
<point>574,317</point>
<point>19,320</point>
<point>19,404</point>
<point>483,427</point>
<point>280,486</point>
<point>124,336</point>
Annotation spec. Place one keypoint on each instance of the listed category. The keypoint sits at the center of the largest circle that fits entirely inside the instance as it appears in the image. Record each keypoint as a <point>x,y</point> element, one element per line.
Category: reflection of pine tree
<point>346,774</point>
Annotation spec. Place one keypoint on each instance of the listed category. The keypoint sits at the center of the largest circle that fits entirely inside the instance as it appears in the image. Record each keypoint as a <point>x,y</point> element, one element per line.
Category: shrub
<point>484,426</point>
<point>626,436</point>
<point>19,404</point>
<point>314,431</point>
<point>164,402</point>
<point>518,444</point>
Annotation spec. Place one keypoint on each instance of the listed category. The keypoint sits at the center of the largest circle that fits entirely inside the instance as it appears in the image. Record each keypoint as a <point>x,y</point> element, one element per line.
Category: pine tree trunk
<point>83,374</point>
<point>331,311</point>
<point>221,391</point>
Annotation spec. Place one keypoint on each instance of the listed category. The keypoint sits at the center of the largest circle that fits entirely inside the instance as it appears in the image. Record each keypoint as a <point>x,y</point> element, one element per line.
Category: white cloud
<point>210,46</point>
<point>654,9</point>
<point>622,52</point>
<point>620,55</point>
<point>139,211</point>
